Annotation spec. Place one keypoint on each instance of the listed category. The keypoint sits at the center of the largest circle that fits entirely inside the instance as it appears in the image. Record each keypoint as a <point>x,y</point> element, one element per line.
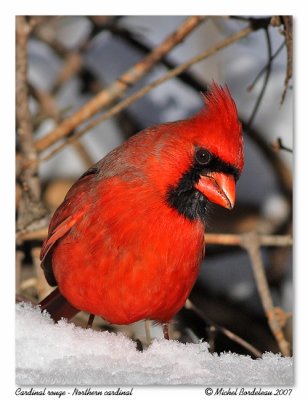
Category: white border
<point>7,120</point>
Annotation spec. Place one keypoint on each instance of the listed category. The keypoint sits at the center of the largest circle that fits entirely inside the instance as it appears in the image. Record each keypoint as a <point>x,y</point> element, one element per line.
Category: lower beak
<point>218,188</point>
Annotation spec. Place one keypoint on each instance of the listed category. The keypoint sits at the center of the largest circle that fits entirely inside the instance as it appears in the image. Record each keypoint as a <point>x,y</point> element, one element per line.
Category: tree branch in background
<point>236,240</point>
<point>265,68</point>
<point>287,23</point>
<point>278,145</point>
<point>31,210</point>
<point>73,64</point>
<point>268,72</point>
<point>231,335</point>
<point>118,88</point>
<point>42,32</point>
<point>283,173</point>
<point>133,39</point>
<point>251,243</point>
<point>48,108</point>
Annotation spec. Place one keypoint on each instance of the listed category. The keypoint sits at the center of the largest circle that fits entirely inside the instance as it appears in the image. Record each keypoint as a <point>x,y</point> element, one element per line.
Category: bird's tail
<point>57,306</point>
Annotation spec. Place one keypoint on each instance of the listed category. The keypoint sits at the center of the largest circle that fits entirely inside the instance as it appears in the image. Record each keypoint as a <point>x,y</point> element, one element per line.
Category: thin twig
<point>268,72</point>
<point>83,153</point>
<point>23,116</point>
<point>236,240</point>
<point>261,72</point>
<point>222,239</point>
<point>231,335</point>
<point>284,175</point>
<point>133,39</point>
<point>250,242</point>
<point>36,21</point>
<point>44,35</point>
<point>31,208</point>
<point>278,145</point>
<point>288,31</point>
<point>118,88</point>
<point>49,108</point>
<point>140,93</point>
<point>73,63</point>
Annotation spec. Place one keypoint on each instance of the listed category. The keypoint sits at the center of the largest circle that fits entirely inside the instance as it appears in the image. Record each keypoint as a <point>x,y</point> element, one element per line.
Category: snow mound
<point>59,354</point>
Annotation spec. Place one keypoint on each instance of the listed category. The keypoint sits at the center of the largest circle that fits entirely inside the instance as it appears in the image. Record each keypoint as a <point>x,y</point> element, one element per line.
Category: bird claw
<point>90,321</point>
<point>166,331</point>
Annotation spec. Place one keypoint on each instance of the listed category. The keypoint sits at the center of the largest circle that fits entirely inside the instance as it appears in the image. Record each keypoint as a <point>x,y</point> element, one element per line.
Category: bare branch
<point>288,28</point>
<point>24,124</point>
<point>265,68</point>
<point>231,335</point>
<point>222,239</point>
<point>31,208</point>
<point>278,145</point>
<point>266,79</point>
<point>49,108</point>
<point>47,105</point>
<point>250,242</point>
<point>73,63</point>
<point>236,240</point>
<point>283,173</point>
<point>44,35</point>
<point>287,22</point>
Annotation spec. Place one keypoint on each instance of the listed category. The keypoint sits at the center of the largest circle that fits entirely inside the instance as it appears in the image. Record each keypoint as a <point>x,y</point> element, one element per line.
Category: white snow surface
<point>49,353</point>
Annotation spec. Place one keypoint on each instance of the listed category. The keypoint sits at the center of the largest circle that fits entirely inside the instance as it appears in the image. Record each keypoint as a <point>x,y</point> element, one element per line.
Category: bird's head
<point>201,158</point>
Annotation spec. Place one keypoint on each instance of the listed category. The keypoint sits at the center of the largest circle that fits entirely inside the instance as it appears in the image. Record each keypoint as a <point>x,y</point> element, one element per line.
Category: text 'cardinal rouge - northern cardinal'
<point>127,242</point>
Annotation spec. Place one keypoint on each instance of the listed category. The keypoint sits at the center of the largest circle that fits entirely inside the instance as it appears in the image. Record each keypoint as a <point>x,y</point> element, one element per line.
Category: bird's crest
<point>219,99</point>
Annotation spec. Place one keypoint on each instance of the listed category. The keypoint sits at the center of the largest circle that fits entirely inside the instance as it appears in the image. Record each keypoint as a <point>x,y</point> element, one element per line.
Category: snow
<point>63,354</point>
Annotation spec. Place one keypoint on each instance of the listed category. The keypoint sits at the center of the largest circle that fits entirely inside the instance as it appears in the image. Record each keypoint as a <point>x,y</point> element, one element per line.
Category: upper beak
<point>218,188</point>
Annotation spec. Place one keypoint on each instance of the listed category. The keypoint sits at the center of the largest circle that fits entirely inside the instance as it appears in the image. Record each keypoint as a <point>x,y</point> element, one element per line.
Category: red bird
<point>127,242</point>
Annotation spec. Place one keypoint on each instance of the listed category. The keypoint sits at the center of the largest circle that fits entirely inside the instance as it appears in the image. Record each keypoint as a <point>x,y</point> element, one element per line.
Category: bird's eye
<point>203,157</point>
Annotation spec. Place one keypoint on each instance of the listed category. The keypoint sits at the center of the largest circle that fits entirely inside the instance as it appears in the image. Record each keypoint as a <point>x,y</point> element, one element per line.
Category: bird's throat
<point>186,199</point>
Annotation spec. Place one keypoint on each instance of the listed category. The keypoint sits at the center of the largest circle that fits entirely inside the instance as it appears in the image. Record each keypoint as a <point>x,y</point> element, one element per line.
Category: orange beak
<point>218,188</point>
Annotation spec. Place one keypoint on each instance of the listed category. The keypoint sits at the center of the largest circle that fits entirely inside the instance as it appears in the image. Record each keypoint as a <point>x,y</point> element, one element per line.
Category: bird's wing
<point>70,211</point>
<point>59,231</point>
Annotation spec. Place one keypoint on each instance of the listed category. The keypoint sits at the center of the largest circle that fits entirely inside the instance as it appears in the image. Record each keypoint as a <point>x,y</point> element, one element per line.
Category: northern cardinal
<point>127,242</point>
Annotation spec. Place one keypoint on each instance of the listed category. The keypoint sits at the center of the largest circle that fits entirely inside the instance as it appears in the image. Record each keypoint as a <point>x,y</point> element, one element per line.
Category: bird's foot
<point>166,330</point>
<point>90,321</point>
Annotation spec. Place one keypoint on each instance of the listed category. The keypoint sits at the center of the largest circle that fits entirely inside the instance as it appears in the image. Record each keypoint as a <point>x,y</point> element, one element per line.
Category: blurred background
<point>70,59</point>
